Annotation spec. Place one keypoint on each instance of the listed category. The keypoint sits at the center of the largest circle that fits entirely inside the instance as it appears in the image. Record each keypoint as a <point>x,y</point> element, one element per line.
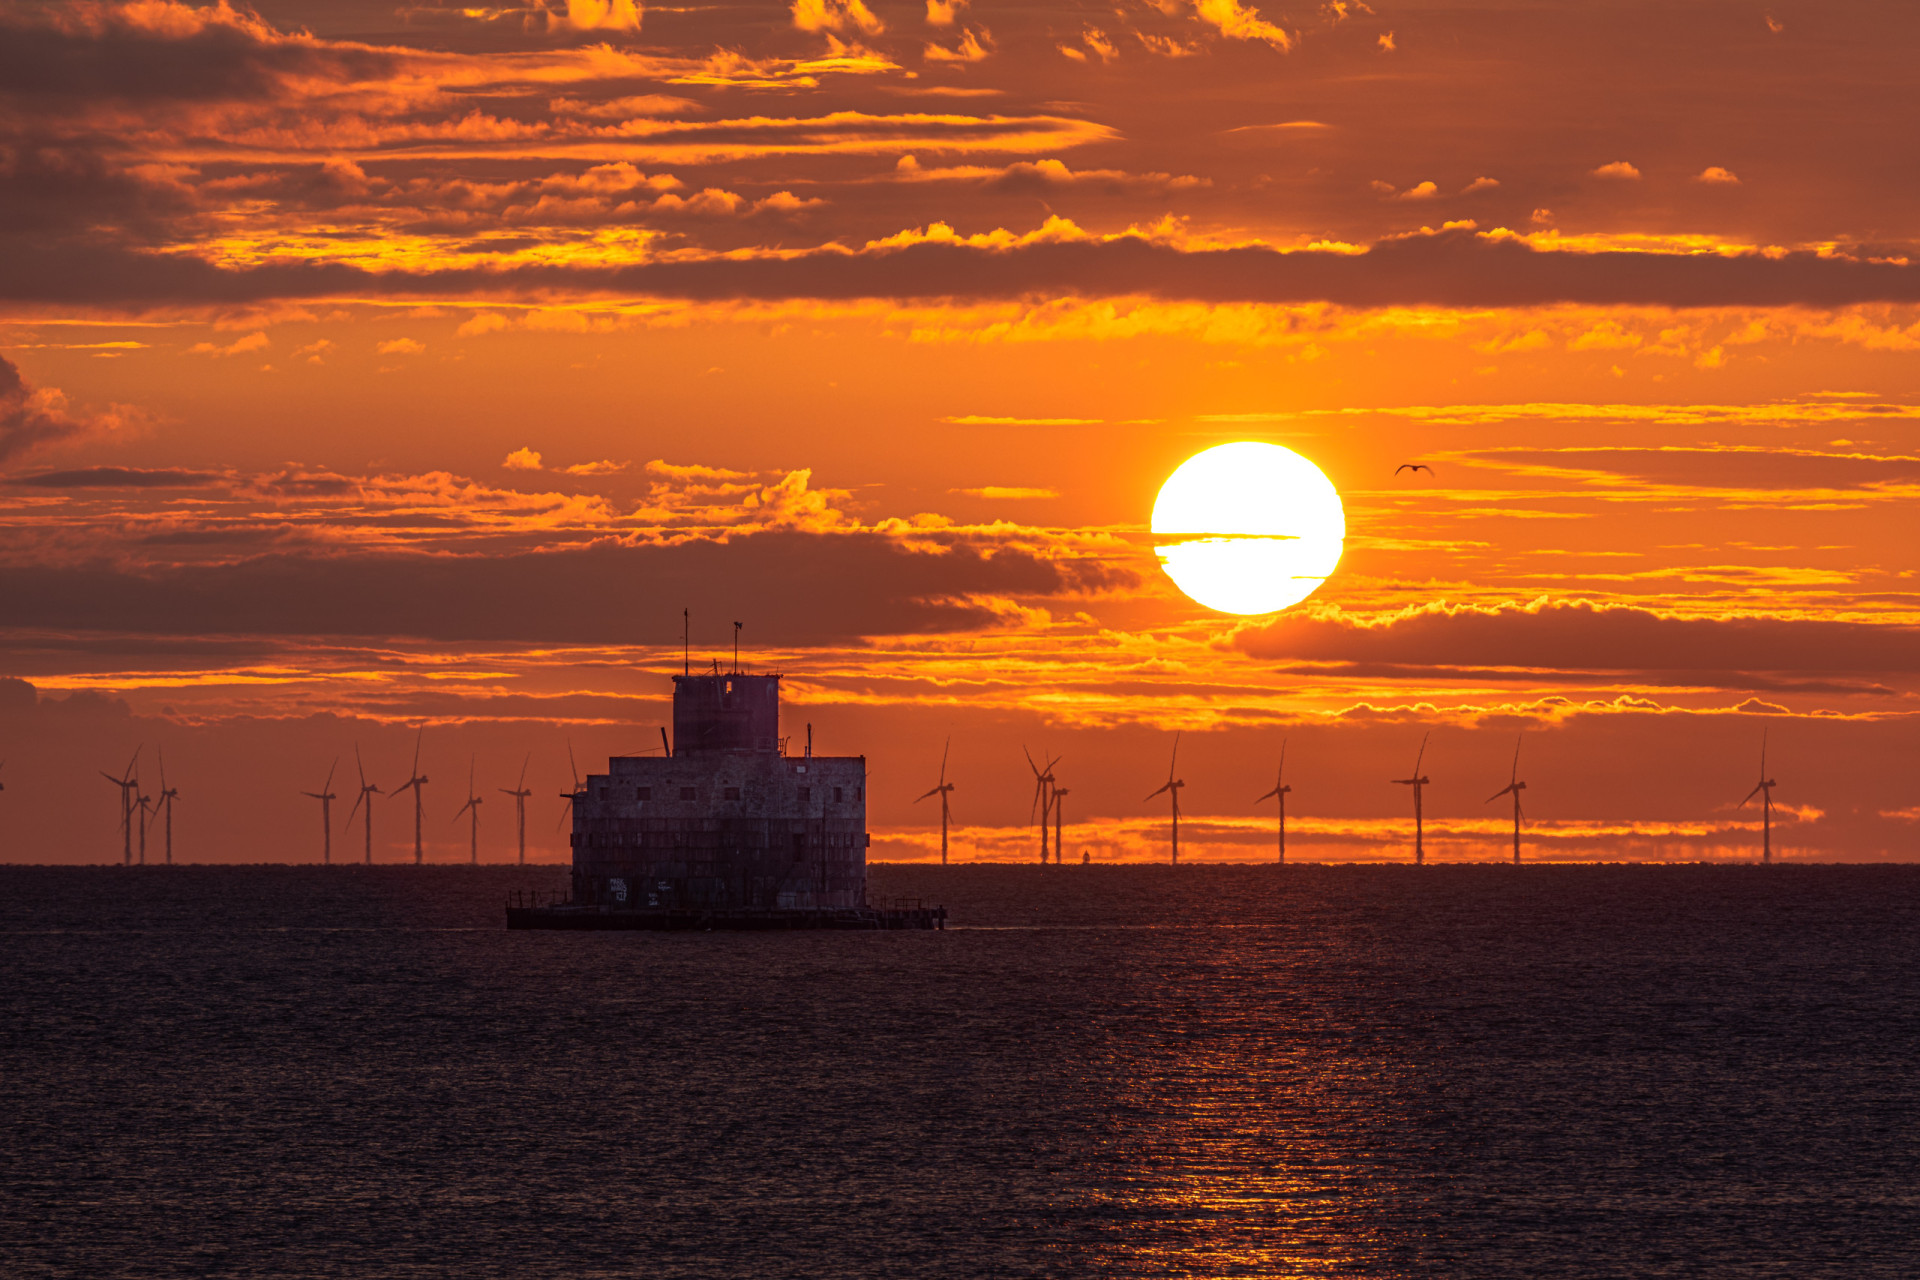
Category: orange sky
<point>370,367</point>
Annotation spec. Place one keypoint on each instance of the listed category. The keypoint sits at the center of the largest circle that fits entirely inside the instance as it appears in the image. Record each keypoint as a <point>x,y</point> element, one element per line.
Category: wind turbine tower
<point>520,794</point>
<point>167,795</point>
<point>1059,808</point>
<point>1513,788</point>
<point>1042,797</point>
<point>145,804</point>
<point>128,785</point>
<point>1279,792</point>
<point>579,792</point>
<point>1172,787</point>
<point>367,791</point>
<point>1764,789</point>
<point>1417,781</point>
<point>326,798</point>
<point>943,791</point>
<point>414,783</point>
<point>473,804</point>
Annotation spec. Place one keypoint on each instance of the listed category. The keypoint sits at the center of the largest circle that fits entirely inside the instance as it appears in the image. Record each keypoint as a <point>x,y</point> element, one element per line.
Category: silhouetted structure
<point>943,791</point>
<point>1764,789</point>
<point>1042,798</point>
<point>1172,786</point>
<point>367,792</point>
<point>520,794</point>
<point>414,783</point>
<point>726,832</point>
<point>1417,781</point>
<point>1280,792</point>
<point>1513,788</point>
<point>165,803</point>
<point>471,806</point>
<point>129,785</point>
<point>326,798</point>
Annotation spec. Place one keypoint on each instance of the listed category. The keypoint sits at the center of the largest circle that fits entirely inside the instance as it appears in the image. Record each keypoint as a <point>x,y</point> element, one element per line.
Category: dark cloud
<point>791,588</point>
<point>1455,269</point>
<point>31,419</point>
<point>102,54</point>
<point>1579,635</point>
<point>119,478</point>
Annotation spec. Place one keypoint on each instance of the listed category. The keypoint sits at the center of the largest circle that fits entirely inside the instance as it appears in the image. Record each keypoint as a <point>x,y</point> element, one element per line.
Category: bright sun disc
<point>1249,527</point>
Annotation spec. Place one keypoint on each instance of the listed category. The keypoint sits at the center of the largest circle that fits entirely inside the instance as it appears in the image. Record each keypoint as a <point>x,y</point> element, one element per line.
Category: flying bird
<point>1413,466</point>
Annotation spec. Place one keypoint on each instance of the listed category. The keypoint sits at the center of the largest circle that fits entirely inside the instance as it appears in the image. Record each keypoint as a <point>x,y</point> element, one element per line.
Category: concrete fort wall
<point>723,831</point>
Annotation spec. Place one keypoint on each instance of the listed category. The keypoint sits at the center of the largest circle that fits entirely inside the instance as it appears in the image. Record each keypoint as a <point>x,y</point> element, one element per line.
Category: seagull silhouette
<point>1413,466</point>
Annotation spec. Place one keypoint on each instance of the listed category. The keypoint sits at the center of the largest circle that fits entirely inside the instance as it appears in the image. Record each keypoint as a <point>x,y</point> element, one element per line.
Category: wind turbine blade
<point>328,784</point>
<point>1423,753</point>
<point>1030,764</point>
<point>118,782</point>
<point>162,751</point>
<point>934,792</point>
<point>1763,753</point>
<point>1750,795</point>
<point>1506,790</point>
<point>1167,786</point>
<point>522,784</point>
<point>131,763</point>
<point>1283,763</point>
<point>943,760</point>
<point>416,749</point>
<point>361,767</point>
<point>470,777</point>
<point>356,807</point>
<point>1174,763</point>
<point>1516,757</point>
<point>1270,795</point>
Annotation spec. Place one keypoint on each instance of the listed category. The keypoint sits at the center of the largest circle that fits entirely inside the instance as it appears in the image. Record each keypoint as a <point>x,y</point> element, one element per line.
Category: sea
<point>1376,1071</point>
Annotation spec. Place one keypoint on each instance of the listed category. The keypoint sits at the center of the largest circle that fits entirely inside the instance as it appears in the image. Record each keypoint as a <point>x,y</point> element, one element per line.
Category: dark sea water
<point>1105,1071</point>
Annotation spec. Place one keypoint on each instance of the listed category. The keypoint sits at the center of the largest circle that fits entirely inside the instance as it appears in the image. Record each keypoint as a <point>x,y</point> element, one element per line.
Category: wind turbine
<point>326,798</point>
<point>1280,792</point>
<point>1764,789</point>
<point>367,792</point>
<point>943,790</point>
<point>1515,787</point>
<point>571,797</point>
<point>520,794</point>
<point>473,803</point>
<point>1416,782</point>
<point>1042,797</point>
<point>128,785</point>
<point>414,783</point>
<point>165,802</point>
<point>1173,785</point>
<point>1059,807</point>
<point>144,803</point>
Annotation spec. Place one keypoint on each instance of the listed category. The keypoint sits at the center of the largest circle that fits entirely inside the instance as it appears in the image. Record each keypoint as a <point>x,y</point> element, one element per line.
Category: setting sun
<point>1259,527</point>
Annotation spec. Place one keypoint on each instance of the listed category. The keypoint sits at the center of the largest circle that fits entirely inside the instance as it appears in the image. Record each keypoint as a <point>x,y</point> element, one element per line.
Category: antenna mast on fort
<point>326,798</point>
<point>520,794</point>
<point>1172,786</point>
<point>1515,787</point>
<point>1417,781</point>
<point>1764,789</point>
<point>414,783</point>
<point>1280,792</point>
